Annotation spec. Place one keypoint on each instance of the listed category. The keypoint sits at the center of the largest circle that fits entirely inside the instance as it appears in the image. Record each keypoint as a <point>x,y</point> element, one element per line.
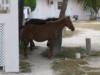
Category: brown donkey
<point>47,31</point>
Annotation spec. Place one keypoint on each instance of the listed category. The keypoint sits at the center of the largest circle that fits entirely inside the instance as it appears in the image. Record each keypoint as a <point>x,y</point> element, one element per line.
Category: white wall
<point>75,8</point>
<point>43,10</point>
<point>53,9</point>
<point>10,40</point>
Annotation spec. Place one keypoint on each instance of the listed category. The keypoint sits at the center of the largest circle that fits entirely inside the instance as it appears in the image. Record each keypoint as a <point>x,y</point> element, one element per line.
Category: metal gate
<point>1,44</point>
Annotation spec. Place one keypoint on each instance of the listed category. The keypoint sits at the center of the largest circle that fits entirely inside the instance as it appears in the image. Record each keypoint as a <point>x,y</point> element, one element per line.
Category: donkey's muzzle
<point>73,29</point>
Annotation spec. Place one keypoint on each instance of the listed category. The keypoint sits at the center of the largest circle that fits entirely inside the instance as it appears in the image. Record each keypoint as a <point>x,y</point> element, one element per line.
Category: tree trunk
<point>58,42</point>
<point>63,9</point>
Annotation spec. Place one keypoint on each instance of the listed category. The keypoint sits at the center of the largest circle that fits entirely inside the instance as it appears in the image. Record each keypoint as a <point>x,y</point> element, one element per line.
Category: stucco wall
<point>75,8</point>
<point>10,38</point>
<point>43,10</point>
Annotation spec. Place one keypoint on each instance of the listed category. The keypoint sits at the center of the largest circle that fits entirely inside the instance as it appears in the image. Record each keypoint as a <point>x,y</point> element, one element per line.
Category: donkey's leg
<point>50,51</point>
<point>32,45</point>
<point>48,44</point>
<point>25,53</point>
<point>55,48</point>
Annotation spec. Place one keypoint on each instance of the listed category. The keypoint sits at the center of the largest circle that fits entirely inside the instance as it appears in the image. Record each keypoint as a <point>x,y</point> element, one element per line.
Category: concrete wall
<point>10,38</point>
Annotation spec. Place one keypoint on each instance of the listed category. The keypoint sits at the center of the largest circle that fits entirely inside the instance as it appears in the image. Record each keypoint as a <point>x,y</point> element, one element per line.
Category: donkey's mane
<point>40,21</point>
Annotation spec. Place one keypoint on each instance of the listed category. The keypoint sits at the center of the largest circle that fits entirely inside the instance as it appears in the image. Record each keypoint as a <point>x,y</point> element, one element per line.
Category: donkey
<point>47,31</point>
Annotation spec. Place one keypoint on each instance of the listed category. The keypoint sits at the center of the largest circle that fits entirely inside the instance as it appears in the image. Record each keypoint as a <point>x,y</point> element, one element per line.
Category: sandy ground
<point>42,66</point>
<point>39,64</point>
<point>80,39</point>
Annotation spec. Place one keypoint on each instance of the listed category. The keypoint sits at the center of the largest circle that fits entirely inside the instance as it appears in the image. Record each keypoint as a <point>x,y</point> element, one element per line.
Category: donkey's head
<point>69,23</point>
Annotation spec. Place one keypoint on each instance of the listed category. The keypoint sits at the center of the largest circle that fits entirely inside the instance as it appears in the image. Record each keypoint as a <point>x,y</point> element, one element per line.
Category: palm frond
<point>90,4</point>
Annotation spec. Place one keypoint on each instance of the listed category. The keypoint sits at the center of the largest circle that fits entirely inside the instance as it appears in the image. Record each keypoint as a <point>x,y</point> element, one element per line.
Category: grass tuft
<point>88,68</point>
<point>70,52</point>
<point>25,66</point>
<point>96,53</point>
<point>93,73</point>
<point>67,67</point>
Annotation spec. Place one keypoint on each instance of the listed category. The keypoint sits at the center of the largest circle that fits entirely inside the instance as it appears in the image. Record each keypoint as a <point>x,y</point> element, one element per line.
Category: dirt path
<point>41,65</point>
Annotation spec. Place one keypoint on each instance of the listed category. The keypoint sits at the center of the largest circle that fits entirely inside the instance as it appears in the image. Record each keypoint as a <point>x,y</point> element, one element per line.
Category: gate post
<point>88,46</point>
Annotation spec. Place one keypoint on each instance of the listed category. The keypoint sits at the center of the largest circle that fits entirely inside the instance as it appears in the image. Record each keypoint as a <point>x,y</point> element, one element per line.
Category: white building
<point>50,8</point>
<point>9,48</point>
